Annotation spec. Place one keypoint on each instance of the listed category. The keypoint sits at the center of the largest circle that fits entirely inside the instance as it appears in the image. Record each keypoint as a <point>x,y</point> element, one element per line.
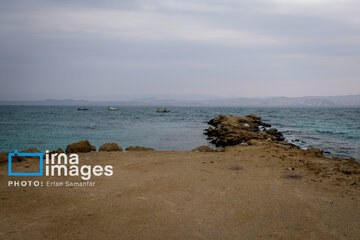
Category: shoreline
<point>232,122</point>
<point>178,130</point>
<point>263,189</point>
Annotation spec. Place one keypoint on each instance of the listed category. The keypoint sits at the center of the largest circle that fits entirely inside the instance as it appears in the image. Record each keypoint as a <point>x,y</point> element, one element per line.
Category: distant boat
<point>82,109</point>
<point>112,108</point>
<point>162,110</point>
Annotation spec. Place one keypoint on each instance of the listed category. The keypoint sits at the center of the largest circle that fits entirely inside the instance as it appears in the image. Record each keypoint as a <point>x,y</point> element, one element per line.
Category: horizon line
<point>143,97</point>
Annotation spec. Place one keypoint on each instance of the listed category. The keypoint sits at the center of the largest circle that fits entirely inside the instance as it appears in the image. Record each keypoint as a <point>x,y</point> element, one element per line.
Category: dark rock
<point>276,134</point>
<point>209,131</point>
<point>79,147</point>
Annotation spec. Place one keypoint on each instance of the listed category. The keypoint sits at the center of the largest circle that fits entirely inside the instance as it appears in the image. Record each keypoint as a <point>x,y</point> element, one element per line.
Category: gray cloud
<point>232,48</point>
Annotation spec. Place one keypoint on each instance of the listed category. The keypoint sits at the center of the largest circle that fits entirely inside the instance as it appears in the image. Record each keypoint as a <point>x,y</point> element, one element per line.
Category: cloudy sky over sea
<point>86,49</point>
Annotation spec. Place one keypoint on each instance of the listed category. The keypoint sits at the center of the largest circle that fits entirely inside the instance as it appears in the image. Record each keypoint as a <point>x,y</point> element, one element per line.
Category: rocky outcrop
<point>139,149</point>
<point>232,130</point>
<point>203,149</point>
<point>79,147</point>
<point>110,147</point>
<point>275,134</point>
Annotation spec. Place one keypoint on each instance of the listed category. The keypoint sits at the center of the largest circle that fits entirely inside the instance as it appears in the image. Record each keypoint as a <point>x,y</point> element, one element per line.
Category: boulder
<point>209,131</point>
<point>139,149</point>
<point>275,134</point>
<point>93,148</point>
<point>110,147</point>
<point>203,149</point>
<point>79,147</point>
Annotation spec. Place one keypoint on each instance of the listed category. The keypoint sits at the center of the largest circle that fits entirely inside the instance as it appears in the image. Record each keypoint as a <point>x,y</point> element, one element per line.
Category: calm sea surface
<point>335,130</point>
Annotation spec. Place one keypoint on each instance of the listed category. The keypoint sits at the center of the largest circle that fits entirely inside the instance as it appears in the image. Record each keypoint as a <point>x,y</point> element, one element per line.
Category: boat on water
<point>82,109</point>
<point>162,110</point>
<point>112,108</point>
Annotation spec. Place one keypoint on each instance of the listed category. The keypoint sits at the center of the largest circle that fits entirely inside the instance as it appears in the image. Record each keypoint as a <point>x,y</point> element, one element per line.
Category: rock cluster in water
<point>232,130</point>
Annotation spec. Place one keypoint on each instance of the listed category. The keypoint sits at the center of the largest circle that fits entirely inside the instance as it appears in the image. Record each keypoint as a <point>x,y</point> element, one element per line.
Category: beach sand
<point>259,191</point>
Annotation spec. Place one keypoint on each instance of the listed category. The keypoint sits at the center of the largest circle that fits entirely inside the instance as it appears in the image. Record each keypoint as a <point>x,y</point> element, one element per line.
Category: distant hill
<point>330,101</point>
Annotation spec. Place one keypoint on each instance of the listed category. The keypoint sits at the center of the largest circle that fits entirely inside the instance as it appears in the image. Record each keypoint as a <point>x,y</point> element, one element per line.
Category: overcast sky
<point>96,50</point>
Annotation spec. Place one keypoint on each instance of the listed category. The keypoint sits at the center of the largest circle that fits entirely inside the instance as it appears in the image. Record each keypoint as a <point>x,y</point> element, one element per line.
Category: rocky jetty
<point>232,130</point>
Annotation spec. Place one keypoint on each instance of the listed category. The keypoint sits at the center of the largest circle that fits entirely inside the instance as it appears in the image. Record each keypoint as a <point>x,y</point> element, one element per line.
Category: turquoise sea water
<point>335,130</point>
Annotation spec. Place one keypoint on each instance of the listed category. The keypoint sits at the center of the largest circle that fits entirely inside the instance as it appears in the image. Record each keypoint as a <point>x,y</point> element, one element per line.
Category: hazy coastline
<point>198,101</point>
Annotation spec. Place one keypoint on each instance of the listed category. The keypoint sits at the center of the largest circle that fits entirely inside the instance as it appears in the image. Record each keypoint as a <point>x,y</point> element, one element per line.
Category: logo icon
<point>16,154</point>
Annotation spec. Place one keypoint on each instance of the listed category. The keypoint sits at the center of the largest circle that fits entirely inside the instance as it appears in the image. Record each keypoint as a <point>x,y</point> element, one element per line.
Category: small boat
<point>162,110</point>
<point>112,108</point>
<point>82,109</point>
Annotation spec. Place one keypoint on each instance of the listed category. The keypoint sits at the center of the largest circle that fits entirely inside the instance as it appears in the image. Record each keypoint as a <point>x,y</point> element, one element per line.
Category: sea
<point>335,130</point>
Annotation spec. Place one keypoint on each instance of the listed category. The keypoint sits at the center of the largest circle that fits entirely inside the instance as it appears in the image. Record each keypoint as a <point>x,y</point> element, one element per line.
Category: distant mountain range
<point>330,101</point>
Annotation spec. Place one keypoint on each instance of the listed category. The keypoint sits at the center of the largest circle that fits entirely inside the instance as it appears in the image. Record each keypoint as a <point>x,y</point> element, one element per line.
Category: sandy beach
<point>180,120</point>
<point>261,191</point>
